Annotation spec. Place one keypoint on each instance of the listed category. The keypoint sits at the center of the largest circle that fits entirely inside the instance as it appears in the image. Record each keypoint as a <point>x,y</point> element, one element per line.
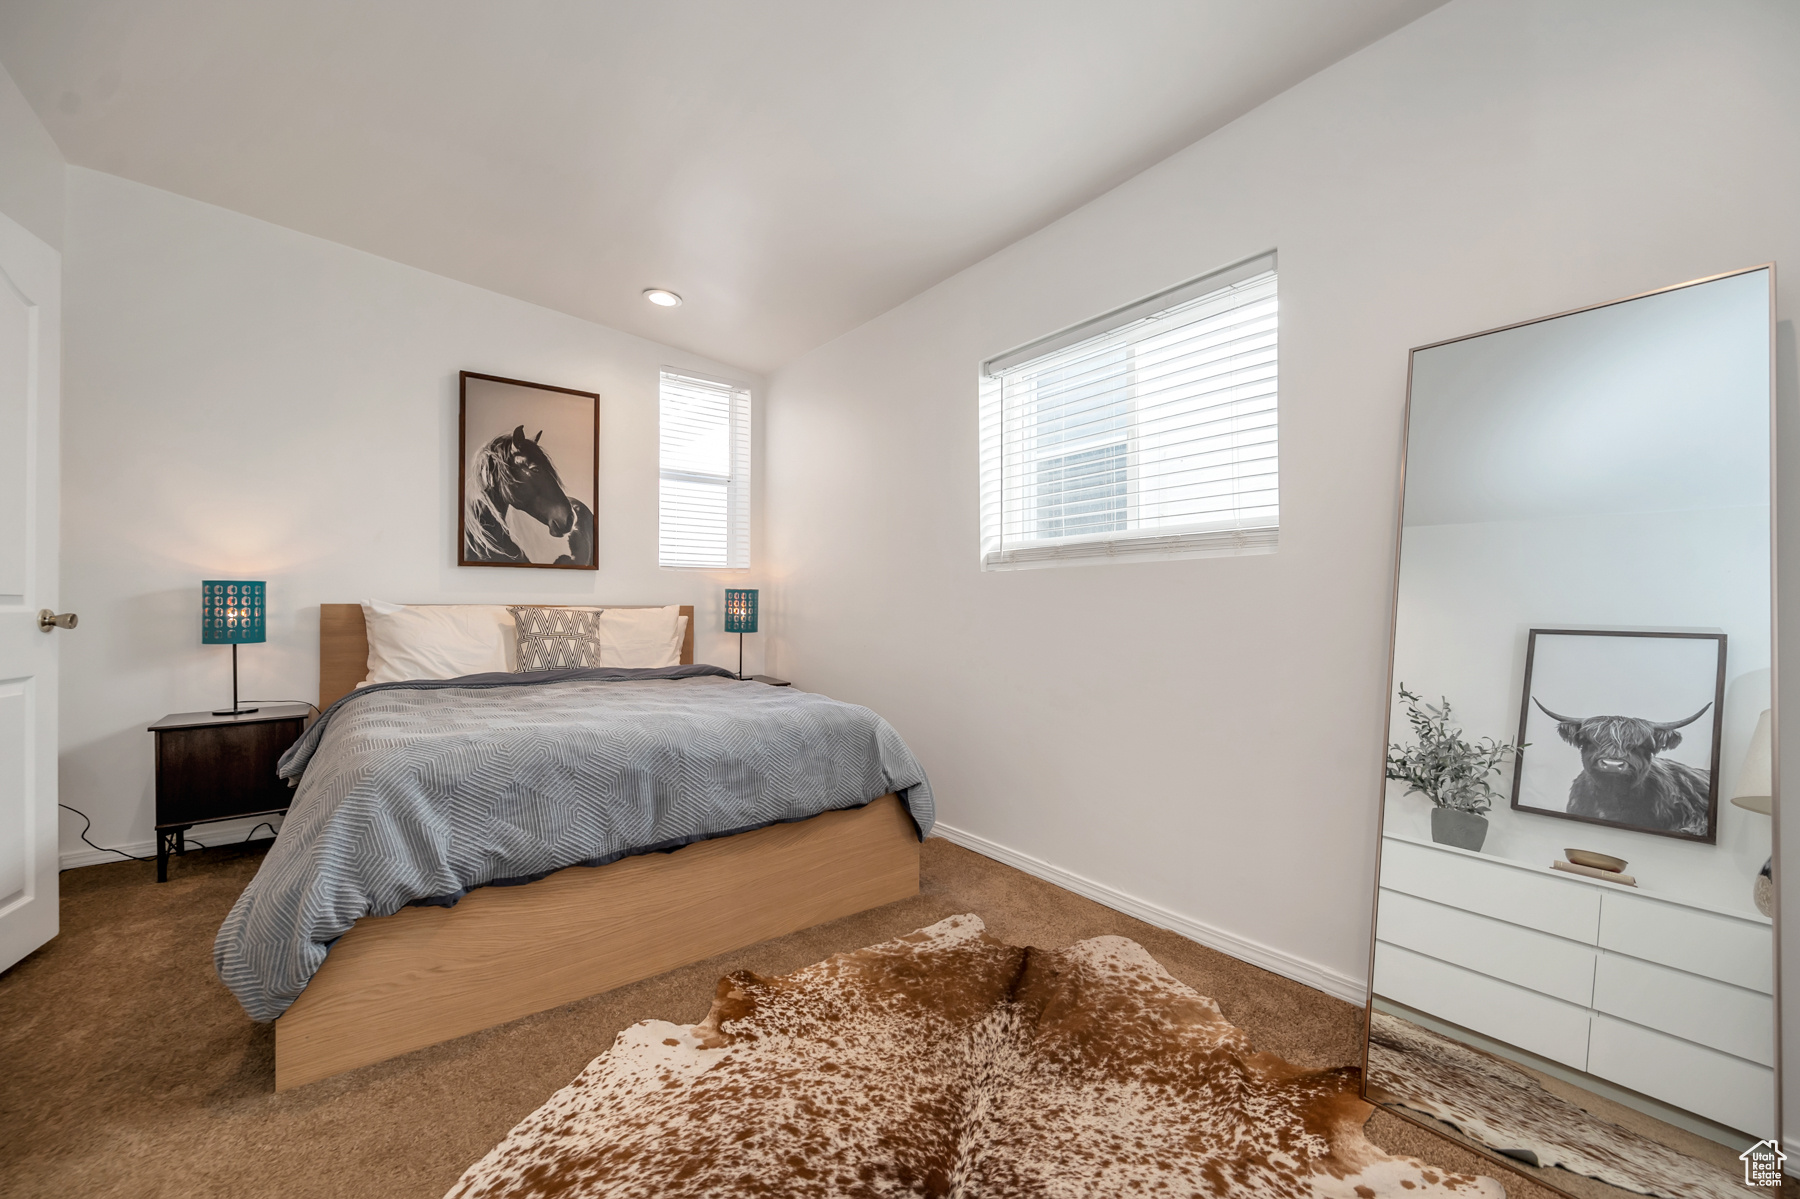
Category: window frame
<point>1003,463</point>
<point>736,482</point>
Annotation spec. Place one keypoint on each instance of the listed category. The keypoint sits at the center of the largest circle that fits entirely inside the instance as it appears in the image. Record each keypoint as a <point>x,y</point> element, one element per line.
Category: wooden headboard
<point>344,646</point>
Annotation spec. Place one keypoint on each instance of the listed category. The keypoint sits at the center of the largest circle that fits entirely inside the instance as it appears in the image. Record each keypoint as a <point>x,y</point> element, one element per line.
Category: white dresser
<point>1665,998</point>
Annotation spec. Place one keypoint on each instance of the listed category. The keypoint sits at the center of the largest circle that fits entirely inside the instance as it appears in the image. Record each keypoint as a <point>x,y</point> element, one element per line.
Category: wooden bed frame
<point>397,983</point>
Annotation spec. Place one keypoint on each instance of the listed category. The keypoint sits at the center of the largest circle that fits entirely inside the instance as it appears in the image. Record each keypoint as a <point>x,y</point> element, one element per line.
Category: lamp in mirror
<point>1755,792</point>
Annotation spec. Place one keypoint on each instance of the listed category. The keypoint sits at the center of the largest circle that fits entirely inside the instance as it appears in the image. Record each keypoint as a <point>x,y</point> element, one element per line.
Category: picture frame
<point>528,474</point>
<point>1601,740</point>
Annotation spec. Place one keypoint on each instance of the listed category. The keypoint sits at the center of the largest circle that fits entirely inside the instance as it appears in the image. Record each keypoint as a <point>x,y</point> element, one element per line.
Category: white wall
<point>1206,735</point>
<point>31,167</point>
<point>244,401</point>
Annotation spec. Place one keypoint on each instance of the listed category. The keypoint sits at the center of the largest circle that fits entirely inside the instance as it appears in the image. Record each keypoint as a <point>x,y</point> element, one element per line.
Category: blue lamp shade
<point>232,612</point>
<point>740,611</point>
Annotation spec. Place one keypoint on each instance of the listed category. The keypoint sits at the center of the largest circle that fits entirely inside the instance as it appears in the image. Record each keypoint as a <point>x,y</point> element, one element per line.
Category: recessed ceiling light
<point>661,298</point>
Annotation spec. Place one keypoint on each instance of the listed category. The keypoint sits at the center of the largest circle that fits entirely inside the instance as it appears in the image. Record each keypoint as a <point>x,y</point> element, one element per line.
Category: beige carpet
<point>127,1069</point>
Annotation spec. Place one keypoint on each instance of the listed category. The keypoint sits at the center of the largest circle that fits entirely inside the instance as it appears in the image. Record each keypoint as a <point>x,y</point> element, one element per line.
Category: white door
<point>30,358</point>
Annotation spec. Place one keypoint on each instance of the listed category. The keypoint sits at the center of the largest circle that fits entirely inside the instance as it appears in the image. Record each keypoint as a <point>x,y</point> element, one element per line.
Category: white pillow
<point>642,637</point>
<point>436,641</point>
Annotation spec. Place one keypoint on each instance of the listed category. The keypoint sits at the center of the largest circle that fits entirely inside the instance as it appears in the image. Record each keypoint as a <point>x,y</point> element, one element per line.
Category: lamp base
<point>236,709</point>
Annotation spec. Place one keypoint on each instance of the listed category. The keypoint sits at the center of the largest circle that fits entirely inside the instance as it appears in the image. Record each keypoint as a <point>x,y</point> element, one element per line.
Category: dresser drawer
<point>1565,909</point>
<point>1730,1090</point>
<point>1545,1026</point>
<point>1550,965</point>
<point>218,771</point>
<point>1736,951</point>
<point>1716,1014</point>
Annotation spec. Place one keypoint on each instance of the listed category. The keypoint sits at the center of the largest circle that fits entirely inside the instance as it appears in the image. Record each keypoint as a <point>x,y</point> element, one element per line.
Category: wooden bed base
<point>423,975</point>
<point>397,983</point>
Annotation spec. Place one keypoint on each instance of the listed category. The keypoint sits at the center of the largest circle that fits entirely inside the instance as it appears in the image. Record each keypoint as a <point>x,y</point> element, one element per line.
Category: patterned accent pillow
<point>552,638</point>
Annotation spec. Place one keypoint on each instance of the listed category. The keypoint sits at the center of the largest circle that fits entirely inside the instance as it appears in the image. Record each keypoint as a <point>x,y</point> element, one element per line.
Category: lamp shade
<point>740,611</point>
<point>1756,785</point>
<point>232,612</point>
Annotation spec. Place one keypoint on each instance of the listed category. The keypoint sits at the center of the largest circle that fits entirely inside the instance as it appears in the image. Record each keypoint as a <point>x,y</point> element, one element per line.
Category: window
<point>704,508</point>
<point>1149,431</point>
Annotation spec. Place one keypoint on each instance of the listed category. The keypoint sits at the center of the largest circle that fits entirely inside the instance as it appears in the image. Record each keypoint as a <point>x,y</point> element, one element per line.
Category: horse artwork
<point>1622,728</point>
<point>530,474</point>
<point>516,509</point>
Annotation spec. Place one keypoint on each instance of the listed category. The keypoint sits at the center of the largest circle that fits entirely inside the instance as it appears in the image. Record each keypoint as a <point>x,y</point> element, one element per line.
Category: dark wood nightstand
<point>770,679</point>
<point>219,768</point>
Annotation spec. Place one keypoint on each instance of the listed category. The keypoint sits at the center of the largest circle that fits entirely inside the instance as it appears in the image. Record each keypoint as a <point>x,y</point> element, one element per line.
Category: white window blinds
<point>704,506</point>
<point>1149,431</point>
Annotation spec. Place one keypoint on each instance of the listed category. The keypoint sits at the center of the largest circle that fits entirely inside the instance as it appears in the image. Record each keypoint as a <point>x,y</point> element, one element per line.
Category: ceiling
<point>791,167</point>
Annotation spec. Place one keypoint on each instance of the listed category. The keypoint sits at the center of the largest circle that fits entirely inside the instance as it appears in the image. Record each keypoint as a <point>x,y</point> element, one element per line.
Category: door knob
<point>50,621</point>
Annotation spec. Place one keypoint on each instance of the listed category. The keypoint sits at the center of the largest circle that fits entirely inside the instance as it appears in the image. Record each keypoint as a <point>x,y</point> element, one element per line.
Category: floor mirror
<point>1573,963</point>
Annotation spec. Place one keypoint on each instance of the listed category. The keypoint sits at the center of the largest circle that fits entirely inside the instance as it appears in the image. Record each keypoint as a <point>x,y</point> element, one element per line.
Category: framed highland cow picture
<point>529,456</point>
<point>1622,729</point>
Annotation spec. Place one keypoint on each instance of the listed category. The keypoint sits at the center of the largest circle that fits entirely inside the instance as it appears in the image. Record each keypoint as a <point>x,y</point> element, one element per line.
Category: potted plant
<point>1449,770</point>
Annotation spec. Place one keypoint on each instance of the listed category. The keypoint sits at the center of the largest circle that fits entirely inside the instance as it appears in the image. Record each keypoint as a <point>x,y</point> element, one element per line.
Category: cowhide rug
<point>944,1063</point>
<point>1506,1109</point>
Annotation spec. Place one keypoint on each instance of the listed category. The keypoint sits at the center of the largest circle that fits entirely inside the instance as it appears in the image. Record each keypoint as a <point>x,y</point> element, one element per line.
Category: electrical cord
<point>307,702</point>
<point>190,843</point>
<point>88,823</point>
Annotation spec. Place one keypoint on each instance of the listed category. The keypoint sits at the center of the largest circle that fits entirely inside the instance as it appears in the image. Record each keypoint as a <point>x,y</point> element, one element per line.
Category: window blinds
<point>704,505</point>
<point>1151,431</point>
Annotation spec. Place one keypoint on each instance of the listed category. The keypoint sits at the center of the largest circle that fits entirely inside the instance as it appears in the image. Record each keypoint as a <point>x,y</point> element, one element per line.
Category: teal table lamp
<point>232,613</point>
<point>740,618</point>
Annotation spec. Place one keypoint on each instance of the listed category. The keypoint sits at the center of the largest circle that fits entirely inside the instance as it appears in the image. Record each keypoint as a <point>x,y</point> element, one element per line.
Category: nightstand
<point>770,679</point>
<point>211,768</point>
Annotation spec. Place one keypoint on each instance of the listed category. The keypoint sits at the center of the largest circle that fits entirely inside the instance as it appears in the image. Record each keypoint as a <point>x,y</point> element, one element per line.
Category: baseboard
<point>223,833</point>
<point>1311,974</point>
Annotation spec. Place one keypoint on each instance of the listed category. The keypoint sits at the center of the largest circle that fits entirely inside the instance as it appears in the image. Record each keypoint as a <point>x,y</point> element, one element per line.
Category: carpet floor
<point>127,1069</point>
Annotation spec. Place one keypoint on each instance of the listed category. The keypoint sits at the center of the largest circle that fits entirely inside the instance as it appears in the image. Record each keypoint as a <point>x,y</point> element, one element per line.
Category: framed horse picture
<point>530,461</point>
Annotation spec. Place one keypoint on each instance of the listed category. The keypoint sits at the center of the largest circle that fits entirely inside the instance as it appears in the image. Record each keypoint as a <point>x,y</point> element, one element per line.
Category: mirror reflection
<point>1574,954</point>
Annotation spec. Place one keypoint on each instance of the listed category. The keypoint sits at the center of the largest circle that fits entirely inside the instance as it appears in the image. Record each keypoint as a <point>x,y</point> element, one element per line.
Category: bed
<point>425,974</point>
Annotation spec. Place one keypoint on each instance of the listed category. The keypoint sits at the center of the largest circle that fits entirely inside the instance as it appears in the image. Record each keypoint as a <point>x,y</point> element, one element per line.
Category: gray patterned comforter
<point>418,792</point>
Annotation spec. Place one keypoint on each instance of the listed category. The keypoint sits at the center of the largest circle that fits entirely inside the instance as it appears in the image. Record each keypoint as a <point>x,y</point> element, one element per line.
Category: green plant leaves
<point>1444,766</point>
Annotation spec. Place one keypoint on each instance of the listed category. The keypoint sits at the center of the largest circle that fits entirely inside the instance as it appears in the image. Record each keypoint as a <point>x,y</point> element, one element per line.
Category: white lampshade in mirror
<point>1755,788</point>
